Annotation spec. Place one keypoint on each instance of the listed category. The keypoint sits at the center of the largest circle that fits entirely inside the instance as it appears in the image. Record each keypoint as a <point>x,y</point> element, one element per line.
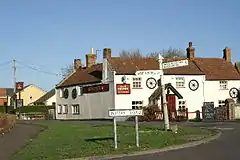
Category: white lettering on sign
<point>175,64</point>
<point>148,72</point>
<point>123,113</point>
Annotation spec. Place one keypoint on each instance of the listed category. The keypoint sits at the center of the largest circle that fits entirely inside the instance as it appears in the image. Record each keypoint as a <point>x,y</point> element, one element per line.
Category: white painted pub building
<point>120,83</point>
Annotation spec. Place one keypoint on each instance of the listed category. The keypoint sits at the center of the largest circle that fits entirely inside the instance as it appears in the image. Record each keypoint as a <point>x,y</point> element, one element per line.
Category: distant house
<point>48,99</point>
<point>28,95</point>
<point>4,94</point>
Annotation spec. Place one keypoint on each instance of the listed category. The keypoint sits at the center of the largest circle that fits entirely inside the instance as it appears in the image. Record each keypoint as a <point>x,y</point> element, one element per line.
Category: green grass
<point>68,140</point>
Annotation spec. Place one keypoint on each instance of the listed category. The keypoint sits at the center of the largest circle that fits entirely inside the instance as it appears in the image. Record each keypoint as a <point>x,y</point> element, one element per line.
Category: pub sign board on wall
<point>123,89</point>
<point>96,88</point>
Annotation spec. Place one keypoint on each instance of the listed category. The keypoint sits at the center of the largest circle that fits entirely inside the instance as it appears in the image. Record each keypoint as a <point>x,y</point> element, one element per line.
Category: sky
<point>46,35</point>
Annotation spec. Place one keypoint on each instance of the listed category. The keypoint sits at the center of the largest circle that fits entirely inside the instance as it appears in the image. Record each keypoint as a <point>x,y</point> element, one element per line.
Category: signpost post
<point>162,66</point>
<point>123,113</point>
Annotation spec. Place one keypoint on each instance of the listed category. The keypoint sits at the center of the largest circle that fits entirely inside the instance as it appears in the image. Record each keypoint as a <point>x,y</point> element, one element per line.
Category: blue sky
<point>49,34</point>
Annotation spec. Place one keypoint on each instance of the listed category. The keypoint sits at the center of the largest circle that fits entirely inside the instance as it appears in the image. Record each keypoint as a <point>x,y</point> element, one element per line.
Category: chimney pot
<point>77,64</point>
<point>190,44</point>
<point>190,51</point>
<point>107,53</point>
<point>227,54</point>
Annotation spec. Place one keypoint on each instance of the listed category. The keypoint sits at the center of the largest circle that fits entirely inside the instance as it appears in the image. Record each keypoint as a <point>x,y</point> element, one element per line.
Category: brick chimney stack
<point>227,54</point>
<point>190,51</point>
<point>107,53</point>
<point>91,59</point>
<point>77,64</point>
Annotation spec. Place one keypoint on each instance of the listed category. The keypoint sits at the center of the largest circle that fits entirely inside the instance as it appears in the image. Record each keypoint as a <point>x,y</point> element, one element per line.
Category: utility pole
<point>14,84</point>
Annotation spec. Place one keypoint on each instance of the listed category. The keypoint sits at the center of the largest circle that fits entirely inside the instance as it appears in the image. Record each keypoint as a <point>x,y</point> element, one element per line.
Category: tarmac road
<point>227,147</point>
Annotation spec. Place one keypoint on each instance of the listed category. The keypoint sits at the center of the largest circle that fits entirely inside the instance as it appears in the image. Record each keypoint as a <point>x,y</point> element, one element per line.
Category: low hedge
<point>25,109</point>
<point>7,122</point>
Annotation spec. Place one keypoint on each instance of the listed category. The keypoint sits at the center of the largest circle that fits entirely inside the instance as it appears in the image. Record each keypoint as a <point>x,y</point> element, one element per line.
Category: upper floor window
<point>137,82</point>
<point>180,82</point>
<point>223,85</point>
<point>60,93</point>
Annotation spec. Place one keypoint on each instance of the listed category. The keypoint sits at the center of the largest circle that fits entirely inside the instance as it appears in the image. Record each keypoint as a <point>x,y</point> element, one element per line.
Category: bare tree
<point>170,53</point>
<point>67,70</point>
<point>131,54</point>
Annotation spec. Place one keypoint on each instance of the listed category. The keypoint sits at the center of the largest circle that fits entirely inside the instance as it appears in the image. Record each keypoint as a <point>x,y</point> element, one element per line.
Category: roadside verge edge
<point>153,151</point>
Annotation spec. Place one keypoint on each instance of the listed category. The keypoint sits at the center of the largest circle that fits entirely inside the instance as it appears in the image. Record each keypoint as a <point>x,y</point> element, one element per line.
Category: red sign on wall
<point>123,89</point>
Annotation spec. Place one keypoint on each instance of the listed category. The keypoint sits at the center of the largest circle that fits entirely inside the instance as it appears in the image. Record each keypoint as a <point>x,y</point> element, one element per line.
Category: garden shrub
<point>7,122</point>
<point>151,113</point>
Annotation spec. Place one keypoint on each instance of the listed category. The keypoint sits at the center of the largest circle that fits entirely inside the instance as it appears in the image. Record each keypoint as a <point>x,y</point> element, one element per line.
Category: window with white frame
<point>182,104</point>
<point>180,82</point>
<point>223,85</point>
<point>75,109</point>
<point>60,93</point>
<point>137,82</point>
<point>65,109</point>
<point>221,103</point>
<point>79,90</point>
<point>137,104</point>
<point>59,109</point>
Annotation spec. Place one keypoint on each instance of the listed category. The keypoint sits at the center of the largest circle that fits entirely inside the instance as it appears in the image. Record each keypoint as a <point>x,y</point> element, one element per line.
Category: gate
<point>208,111</point>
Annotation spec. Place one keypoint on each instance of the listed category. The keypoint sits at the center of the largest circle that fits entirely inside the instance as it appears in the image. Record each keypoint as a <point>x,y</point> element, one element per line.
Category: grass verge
<point>72,140</point>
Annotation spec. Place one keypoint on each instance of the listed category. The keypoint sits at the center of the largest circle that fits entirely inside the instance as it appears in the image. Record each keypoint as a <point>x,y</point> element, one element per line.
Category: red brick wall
<point>2,92</point>
<point>2,100</point>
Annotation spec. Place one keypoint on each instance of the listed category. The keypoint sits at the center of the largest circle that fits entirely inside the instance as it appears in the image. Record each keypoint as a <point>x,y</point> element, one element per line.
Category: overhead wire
<point>5,63</point>
<point>37,69</point>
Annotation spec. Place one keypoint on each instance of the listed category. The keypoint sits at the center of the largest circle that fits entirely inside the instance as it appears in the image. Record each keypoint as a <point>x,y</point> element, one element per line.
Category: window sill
<point>75,113</point>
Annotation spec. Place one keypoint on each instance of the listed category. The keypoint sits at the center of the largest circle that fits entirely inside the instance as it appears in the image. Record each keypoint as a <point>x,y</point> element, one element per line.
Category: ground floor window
<point>75,109</point>
<point>221,103</point>
<point>182,105</point>
<point>137,104</point>
<point>65,109</point>
<point>59,109</point>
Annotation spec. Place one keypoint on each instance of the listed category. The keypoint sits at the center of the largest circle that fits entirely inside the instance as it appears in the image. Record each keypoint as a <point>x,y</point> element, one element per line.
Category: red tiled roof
<point>213,68</point>
<point>84,75</point>
<point>190,69</point>
<point>130,66</point>
<point>217,69</point>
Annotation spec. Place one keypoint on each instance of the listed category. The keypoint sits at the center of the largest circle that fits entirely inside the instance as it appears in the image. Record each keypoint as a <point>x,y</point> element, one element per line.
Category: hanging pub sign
<point>123,88</point>
<point>19,86</point>
<point>96,88</point>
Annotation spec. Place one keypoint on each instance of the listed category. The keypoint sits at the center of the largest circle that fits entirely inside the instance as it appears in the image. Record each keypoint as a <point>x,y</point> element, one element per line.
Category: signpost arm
<point>115,132</point>
<point>136,130</point>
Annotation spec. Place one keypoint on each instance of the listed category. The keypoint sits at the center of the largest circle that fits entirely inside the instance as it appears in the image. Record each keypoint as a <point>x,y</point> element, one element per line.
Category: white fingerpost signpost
<point>162,66</point>
<point>124,113</point>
